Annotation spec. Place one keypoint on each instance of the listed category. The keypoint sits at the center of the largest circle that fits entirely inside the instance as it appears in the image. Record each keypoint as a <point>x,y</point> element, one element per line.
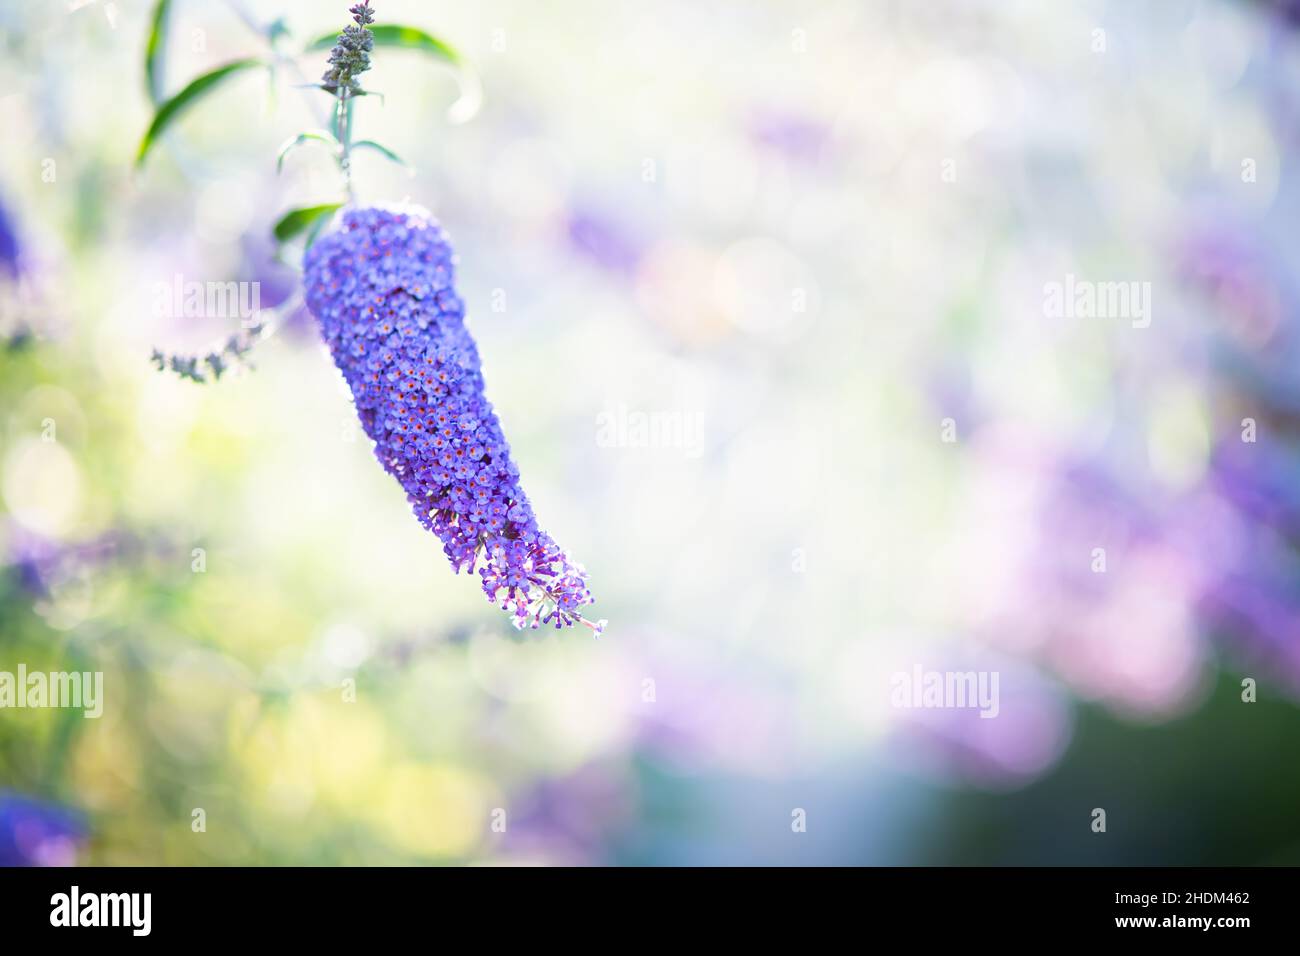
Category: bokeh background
<point>813,239</point>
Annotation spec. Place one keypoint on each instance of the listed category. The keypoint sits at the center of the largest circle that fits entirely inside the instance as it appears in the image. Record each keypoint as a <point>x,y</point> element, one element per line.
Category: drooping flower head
<point>381,287</point>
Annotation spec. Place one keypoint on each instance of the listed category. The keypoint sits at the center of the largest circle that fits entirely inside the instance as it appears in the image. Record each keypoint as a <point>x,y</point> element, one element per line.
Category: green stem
<point>343,131</point>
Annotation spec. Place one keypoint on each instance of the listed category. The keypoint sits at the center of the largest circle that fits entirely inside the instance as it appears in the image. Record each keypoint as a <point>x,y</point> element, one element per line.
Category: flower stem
<point>343,132</point>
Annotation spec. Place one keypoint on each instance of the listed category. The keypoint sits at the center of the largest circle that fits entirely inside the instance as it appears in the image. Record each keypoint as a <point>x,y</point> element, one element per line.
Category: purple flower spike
<point>381,287</point>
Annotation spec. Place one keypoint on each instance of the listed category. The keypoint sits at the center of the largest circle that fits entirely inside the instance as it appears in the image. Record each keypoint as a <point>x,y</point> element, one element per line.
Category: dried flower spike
<point>350,56</point>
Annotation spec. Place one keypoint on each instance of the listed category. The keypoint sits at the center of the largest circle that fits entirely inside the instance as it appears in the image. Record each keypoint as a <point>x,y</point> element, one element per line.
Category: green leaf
<point>306,136</point>
<point>296,221</point>
<point>155,50</point>
<point>169,110</point>
<point>412,38</point>
<point>382,150</point>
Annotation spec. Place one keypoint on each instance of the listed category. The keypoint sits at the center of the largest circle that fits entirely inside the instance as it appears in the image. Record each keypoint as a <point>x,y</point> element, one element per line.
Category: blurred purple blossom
<point>276,281</point>
<point>34,833</point>
<point>41,564</point>
<point>1086,564</point>
<point>571,818</point>
<point>1253,605</point>
<point>10,263</point>
<point>718,720</point>
<point>604,242</point>
<point>1250,604</point>
<point>793,136</point>
<point>1029,731</point>
<point>1233,270</point>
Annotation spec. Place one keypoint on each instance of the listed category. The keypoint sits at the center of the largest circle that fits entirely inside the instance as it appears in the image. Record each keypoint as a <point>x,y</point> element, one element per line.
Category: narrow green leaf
<point>382,150</point>
<point>169,110</point>
<point>155,50</point>
<point>306,136</point>
<point>296,221</point>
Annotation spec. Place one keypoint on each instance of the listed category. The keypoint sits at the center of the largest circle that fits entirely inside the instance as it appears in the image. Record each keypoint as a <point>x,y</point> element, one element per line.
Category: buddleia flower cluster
<point>381,286</point>
<point>350,56</point>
